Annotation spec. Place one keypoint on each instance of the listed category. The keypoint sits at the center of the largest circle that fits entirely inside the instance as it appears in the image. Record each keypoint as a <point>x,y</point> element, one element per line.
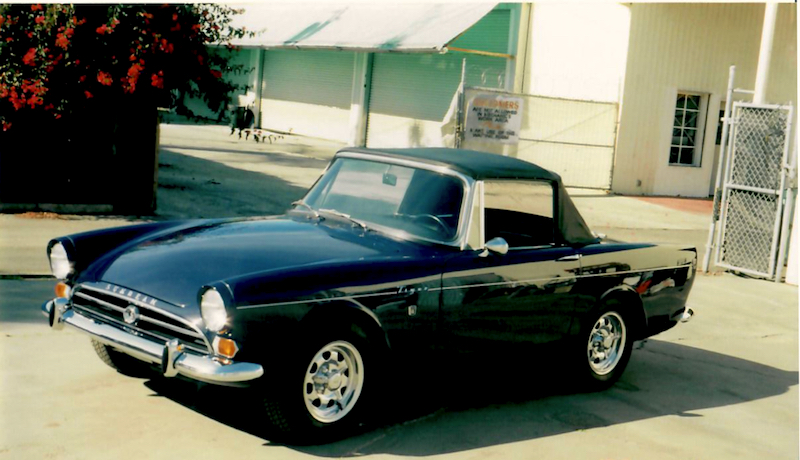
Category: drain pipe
<point>765,53</point>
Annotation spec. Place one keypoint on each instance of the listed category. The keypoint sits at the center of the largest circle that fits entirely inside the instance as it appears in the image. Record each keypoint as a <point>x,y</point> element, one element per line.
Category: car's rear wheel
<point>123,363</point>
<point>607,344</point>
<point>324,395</point>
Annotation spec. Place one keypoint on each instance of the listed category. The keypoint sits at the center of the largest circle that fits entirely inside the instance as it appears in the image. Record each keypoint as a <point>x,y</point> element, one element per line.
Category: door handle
<point>570,258</point>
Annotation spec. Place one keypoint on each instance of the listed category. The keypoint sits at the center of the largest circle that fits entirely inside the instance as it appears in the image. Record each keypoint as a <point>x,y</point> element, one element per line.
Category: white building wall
<point>577,50</point>
<point>689,47</point>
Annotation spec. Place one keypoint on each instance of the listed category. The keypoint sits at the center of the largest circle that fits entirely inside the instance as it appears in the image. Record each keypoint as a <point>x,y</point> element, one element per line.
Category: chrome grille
<point>153,323</point>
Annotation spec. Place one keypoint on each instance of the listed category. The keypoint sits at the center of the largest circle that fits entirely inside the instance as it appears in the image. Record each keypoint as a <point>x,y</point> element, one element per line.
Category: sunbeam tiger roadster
<point>406,252</point>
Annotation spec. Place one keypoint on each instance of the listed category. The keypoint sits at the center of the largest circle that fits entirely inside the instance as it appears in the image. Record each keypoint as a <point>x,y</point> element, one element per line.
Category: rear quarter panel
<point>659,277</point>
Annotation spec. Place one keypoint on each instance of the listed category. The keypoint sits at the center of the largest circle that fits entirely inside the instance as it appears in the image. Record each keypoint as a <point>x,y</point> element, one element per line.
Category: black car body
<point>390,251</point>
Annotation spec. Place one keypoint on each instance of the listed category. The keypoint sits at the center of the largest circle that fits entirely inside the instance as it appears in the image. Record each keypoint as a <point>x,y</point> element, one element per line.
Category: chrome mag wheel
<point>333,381</point>
<point>606,345</point>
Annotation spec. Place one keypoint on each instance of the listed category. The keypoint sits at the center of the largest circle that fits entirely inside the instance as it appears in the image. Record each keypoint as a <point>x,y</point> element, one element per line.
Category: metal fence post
<point>712,229</point>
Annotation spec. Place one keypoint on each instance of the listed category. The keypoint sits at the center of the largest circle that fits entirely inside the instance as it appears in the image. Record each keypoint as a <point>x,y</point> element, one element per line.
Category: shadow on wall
<point>415,135</point>
<point>663,379</point>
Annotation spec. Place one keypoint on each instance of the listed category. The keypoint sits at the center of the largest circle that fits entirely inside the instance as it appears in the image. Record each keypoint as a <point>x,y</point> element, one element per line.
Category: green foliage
<point>53,57</point>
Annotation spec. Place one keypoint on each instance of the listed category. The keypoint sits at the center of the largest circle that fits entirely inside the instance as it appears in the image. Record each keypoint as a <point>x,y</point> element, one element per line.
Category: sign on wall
<point>494,118</point>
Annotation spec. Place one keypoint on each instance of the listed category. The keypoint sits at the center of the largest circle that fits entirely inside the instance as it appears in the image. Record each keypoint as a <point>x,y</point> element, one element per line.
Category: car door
<point>496,301</point>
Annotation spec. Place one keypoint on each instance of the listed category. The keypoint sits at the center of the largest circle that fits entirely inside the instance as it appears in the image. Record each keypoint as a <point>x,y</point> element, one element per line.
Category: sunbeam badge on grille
<point>131,315</point>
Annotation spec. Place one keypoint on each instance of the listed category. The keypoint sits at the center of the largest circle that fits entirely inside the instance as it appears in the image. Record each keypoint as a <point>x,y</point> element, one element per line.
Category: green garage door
<point>411,93</point>
<point>307,92</point>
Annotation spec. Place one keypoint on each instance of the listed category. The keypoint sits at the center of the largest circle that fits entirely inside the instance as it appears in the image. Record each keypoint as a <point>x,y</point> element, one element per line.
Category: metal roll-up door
<point>307,92</point>
<point>411,93</point>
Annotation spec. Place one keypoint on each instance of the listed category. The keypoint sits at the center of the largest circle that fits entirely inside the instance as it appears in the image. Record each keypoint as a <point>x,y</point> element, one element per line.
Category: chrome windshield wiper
<point>346,216</point>
<point>306,205</point>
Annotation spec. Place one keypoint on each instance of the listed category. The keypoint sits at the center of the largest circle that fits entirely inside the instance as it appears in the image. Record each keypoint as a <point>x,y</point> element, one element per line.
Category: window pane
<point>676,137</point>
<point>719,127</point>
<point>688,137</point>
<point>687,156</point>
<point>519,212</point>
<point>674,153</point>
<point>681,102</point>
<point>691,119</point>
<point>693,102</point>
<point>678,119</point>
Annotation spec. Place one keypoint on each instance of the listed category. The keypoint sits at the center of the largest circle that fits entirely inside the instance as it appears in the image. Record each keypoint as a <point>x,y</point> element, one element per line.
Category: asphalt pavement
<point>724,385</point>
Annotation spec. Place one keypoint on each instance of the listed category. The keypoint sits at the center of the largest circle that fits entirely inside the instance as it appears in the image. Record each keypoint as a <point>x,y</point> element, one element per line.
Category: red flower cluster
<point>31,94</point>
<point>157,80</point>
<point>129,82</point>
<point>106,28</point>
<point>30,57</point>
<point>62,39</point>
<point>104,78</point>
<point>45,43</point>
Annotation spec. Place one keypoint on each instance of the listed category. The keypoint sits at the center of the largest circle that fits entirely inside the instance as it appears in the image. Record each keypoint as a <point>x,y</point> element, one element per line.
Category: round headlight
<point>212,308</point>
<point>59,262</point>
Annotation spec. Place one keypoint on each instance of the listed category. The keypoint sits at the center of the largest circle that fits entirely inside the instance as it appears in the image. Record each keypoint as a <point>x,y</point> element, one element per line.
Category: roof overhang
<point>368,27</point>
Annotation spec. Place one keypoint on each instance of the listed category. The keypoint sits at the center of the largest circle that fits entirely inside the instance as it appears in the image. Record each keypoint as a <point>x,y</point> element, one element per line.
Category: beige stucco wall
<point>690,47</point>
<point>576,50</point>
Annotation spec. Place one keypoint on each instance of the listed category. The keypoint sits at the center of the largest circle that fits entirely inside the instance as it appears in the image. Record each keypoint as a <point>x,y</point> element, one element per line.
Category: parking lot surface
<point>724,385</point>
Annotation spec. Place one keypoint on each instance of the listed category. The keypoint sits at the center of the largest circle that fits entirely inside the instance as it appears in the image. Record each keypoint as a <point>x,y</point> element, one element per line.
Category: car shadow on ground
<point>482,407</point>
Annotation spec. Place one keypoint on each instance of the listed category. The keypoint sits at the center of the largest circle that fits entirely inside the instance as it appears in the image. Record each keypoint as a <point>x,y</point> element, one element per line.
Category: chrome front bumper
<point>170,356</point>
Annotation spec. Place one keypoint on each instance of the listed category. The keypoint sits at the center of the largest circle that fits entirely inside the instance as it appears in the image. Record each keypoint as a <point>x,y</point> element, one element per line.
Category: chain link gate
<point>754,186</point>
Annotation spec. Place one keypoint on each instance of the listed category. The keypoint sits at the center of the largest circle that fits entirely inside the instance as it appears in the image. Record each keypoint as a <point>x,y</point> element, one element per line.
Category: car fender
<point>343,311</point>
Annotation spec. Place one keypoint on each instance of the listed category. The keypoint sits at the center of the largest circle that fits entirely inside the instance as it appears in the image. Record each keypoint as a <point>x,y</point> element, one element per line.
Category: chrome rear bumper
<point>170,356</point>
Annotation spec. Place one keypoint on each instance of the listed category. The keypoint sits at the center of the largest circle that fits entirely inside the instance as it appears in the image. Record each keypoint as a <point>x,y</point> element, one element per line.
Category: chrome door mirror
<point>497,246</point>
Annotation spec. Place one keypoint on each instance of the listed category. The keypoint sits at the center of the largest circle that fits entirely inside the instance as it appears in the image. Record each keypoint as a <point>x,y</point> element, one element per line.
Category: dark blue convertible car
<point>391,253</point>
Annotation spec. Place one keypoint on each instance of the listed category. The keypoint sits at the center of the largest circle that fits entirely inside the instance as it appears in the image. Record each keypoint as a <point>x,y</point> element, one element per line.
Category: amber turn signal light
<point>226,347</point>
<point>62,290</point>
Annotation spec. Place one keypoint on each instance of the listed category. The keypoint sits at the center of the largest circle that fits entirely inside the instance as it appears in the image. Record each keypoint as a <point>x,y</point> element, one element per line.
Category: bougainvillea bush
<point>54,58</point>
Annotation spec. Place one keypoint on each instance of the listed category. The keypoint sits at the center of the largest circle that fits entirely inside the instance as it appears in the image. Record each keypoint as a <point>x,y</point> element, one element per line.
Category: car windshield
<point>416,201</point>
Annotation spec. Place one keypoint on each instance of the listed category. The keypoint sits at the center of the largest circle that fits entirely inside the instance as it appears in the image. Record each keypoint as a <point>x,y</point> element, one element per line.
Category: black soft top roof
<point>479,165</point>
<point>572,228</point>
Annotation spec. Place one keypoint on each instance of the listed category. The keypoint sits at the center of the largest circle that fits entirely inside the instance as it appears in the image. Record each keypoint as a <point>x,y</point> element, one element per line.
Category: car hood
<point>174,266</point>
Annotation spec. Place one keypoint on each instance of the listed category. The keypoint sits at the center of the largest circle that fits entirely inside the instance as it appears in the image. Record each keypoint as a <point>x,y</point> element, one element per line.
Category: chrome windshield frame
<point>465,212</point>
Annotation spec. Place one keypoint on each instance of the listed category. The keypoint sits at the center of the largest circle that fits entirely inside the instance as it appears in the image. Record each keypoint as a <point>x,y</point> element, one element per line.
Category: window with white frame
<point>687,130</point>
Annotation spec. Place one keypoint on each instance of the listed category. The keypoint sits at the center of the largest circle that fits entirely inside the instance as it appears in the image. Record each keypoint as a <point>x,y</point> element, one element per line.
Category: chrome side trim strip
<point>353,298</point>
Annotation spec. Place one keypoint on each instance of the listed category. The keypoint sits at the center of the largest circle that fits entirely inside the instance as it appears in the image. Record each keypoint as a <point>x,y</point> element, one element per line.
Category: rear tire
<point>123,363</point>
<point>606,343</point>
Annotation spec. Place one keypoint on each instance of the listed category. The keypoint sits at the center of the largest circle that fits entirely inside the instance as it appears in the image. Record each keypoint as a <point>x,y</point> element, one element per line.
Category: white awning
<point>374,27</point>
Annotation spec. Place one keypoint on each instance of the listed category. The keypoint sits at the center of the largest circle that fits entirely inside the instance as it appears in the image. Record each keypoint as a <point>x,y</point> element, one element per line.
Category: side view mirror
<point>497,246</point>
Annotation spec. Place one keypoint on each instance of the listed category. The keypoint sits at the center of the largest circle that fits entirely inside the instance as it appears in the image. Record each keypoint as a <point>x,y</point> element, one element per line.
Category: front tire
<point>121,362</point>
<point>606,346</point>
<point>324,395</point>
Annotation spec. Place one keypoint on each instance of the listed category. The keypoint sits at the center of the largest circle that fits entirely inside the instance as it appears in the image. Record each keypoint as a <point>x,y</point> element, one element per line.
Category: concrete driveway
<point>722,386</point>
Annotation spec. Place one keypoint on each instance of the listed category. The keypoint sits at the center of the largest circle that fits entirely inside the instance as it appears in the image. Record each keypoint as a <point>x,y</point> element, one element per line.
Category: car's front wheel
<point>607,344</point>
<point>329,399</point>
<point>333,381</point>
